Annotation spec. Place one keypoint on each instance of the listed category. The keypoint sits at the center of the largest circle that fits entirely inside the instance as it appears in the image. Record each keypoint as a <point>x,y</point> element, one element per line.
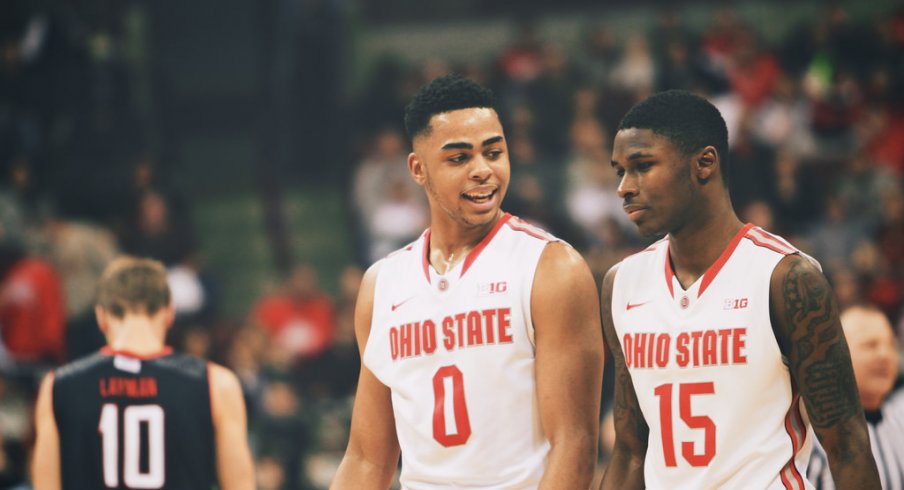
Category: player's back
<point>129,422</point>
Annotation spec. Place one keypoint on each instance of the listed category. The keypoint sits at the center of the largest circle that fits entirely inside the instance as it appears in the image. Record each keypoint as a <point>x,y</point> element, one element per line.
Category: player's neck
<point>451,242</point>
<point>136,335</point>
<point>697,245</point>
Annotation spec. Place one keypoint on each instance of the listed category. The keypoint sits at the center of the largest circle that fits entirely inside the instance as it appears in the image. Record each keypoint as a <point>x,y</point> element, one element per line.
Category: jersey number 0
<point>132,419</point>
<point>449,383</point>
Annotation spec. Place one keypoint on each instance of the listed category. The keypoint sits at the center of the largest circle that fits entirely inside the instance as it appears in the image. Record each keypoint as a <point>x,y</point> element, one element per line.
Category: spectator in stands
<point>80,251</point>
<point>32,307</point>
<point>158,230</point>
<point>382,168</point>
<point>300,317</point>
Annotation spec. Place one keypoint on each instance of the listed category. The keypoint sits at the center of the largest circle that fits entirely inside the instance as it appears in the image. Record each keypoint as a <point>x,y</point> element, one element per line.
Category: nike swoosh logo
<point>635,305</point>
<point>397,305</point>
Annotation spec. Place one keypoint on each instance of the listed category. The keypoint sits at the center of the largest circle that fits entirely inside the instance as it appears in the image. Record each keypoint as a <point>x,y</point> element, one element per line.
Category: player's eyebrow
<point>637,155</point>
<point>490,141</point>
<point>457,145</point>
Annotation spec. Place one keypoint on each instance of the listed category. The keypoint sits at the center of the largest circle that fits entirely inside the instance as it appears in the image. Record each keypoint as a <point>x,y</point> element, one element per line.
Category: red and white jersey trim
<point>765,239</point>
<point>794,425</point>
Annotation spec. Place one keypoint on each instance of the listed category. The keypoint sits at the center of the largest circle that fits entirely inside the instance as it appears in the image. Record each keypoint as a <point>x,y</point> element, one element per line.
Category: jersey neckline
<point>710,275</point>
<point>109,351</point>
<point>472,255</point>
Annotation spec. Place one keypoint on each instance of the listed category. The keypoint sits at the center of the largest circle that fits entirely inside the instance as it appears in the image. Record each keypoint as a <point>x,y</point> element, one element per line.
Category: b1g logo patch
<point>488,288</point>
<point>734,304</point>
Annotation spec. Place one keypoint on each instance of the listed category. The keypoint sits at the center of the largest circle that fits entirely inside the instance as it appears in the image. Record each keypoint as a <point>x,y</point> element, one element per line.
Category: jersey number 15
<point>685,392</point>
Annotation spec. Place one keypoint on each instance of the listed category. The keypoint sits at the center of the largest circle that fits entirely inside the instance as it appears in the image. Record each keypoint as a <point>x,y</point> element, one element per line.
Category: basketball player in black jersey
<point>135,415</point>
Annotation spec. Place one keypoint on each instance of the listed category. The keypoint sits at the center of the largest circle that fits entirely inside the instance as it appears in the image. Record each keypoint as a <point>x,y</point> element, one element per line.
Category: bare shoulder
<point>794,266</point>
<point>562,275</point>
<point>560,258</point>
<point>609,282</point>
<point>563,287</point>
<point>44,404</point>
<point>222,380</point>
<point>365,304</point>
<point>798,291</point>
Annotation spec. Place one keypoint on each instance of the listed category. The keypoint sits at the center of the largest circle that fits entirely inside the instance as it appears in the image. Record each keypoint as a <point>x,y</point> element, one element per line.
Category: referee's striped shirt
<point>886,436</point>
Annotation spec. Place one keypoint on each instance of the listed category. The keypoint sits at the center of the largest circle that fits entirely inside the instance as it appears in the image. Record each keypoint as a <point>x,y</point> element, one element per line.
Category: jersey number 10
<point>133,417</point>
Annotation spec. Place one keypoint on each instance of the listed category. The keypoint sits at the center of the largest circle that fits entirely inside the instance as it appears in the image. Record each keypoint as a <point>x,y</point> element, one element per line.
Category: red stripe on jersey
<point>167,350</point>
<point>519,224</point>
<point>714,269</point>
<point>797,435</point>
<point>763,239</point>
<point>472,256</point>
<point>776,238</point>
<point>785,481</point>
<point>765,245</point>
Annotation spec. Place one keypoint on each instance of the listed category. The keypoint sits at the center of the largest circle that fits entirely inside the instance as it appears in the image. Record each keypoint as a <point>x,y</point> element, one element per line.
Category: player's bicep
<point>565,314</point>
<point>373,448</point>
<point>46,463</point>
<point>631,429</point>
<point>805,319</point>
<point>235,469</point>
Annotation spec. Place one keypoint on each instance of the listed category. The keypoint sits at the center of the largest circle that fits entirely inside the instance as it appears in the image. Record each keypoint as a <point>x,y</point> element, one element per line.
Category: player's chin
<point>648,229</point>
<point>482,217</point>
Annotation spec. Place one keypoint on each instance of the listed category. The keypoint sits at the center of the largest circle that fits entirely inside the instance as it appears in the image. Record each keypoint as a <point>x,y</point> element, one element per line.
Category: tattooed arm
<point>805,320</point>
<point>625,469</point>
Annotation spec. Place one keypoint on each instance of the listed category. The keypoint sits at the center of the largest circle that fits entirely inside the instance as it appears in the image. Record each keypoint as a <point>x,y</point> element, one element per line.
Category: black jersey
<point>135,423</point>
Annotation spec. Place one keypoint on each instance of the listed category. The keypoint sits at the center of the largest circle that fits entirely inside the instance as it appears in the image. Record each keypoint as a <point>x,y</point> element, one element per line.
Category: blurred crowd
<point>816,124</point>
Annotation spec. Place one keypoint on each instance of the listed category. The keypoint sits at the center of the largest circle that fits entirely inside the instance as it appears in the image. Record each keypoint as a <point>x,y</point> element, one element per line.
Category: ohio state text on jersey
<point>457,351</point>
<point>707,369</point>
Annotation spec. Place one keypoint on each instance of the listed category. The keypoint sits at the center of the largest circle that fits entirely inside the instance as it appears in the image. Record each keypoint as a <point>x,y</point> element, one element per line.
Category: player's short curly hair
<point>447,93</point>
<point>133,285</point>
<point>689,121</point>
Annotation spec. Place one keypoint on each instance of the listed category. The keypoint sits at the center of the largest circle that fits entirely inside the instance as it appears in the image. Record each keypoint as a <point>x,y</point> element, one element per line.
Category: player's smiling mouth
<point>479,196</point>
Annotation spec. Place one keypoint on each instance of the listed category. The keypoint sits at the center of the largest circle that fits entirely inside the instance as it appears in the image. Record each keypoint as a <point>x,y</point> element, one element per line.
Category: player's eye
<point>494,154</point>
<point>459,158</point>
<point>644,166</point>
<point>619,172</point>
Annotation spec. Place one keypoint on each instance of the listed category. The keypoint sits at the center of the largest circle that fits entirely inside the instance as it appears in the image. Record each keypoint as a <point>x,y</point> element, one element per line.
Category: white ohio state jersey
<point>710,378</point>
<point>457,351</point>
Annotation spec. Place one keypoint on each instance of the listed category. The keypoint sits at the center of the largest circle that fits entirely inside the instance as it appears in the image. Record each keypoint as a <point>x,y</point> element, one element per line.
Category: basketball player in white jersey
<point>728,350</point>
<point>480,344</point>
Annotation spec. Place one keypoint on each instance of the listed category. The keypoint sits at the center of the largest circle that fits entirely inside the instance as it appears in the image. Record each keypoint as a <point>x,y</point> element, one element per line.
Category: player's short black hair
<point>689,121</point>
<point>447,93</point>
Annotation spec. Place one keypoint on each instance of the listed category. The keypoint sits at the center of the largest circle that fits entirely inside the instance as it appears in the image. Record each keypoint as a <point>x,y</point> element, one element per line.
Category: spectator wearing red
<point>300,318</point>
<point>32,309</point>
<point>753,73</point>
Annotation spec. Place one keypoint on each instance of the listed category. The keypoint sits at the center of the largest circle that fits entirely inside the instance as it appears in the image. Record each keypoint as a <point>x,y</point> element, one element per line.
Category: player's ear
<point>101,316</point>
<point>170,315</point>
<point>707,164</point>
<point>416,168</point>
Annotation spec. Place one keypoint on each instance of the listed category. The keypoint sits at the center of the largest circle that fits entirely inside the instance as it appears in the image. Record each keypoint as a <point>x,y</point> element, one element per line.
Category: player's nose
<point>627,186</point>
<point>480,169</point>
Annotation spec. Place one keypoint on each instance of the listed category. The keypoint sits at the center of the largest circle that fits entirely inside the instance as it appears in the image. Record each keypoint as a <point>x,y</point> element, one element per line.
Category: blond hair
<point>133,285</point>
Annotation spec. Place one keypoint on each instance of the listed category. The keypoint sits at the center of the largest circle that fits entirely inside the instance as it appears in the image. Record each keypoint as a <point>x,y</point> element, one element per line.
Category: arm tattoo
<point>819,355</point>
<point>628,419</point>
